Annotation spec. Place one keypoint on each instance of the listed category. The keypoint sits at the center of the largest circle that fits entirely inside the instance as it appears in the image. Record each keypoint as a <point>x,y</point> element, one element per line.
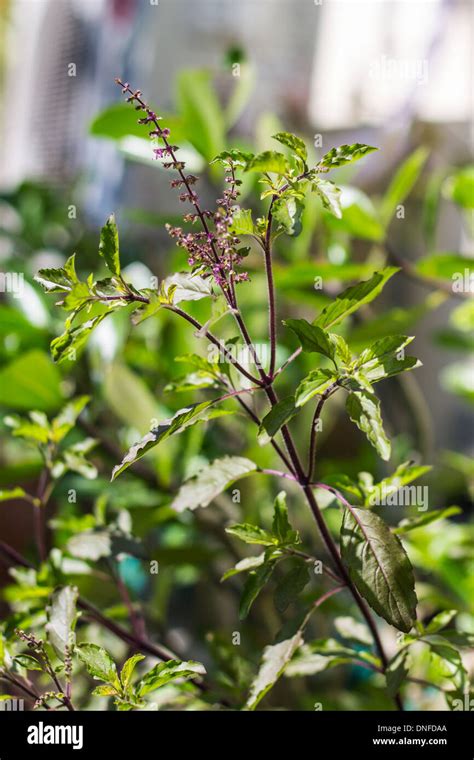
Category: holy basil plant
<point>364,559</point>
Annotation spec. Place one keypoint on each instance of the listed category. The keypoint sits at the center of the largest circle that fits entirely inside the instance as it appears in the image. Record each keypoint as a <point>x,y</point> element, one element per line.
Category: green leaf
<point>253,586</point>
<point>183,419</point>
<point>291,585</point>
<point>248,563</point>
<point>353,298</point>
<point>94,544</point>
<point>402,183</point>
<point>359,217</point>
<point>109,246</point>
<point>128,668</point>
<point>404,474</point>
<point>251,534</point>
<point>294,143</point>
<point>203,119</point>
<point>233,157</point>
<point>281,526</point>
<point>60,280</point>
<point>353,630</point>
<point>287,211</point>
<point>184,286</point>
<point>411,523</point>
<point>62,615</point>
<point>313,338</point>
<point>274,662</point>
<point>165,672</point>
<point>66,346</point>
<point>314,384</point>
<point>279,415</point>
<point>440,621</point>
<point>12,493</point>
<point>459,187</point>
<point>28,662</point>
<point>396,671</point>
<point>66,419</point>
<point>212,480</point>
<point>345,154</point>
<point>330,196</point>
<point>242,223</point>
<point>323,654</point>
<point>364,409</point>
<point>385,358</point>
<point>98,662</point>
<point>31,382</point>
<point>105,690</point>
<point>379,567</point>
<point>448,661</point>
<point>269,161</point>
<point>120,121</point>
<point>444,265</point>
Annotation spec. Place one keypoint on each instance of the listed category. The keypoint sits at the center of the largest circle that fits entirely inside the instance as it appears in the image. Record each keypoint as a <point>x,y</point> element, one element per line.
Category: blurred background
<point>397,75</point>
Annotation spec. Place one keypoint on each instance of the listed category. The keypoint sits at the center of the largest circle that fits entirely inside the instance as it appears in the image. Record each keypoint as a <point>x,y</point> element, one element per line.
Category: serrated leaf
<point>353,298</point>
<point>248,563</point>
<point>66,419</point>
<point>404,474</point>
<point>253,586</point>
<point>180,421</point>
<point>274,661</point>
<point>184,286</point>
<point>28,662</point>
<point>291,585</point>
<point>269,161</point>
<point>128,669</point>
<point>294,143</point>
<point>242,223</point>
<point>345,154</point>
<point>287,211</point>
<point>323,654</point>
<point>281,526</point>
<point>379,567</point>
<point>440,621</point>
<point>60,280</point>
<point>212,480</point>
<point>168,671</point>
<point>386,358</point>
<point>313,338</point>
<point>251,534</point>
<point>65,346</point>
<point>98,662</point>
<point>109,246</point>
<point>278,415</point>
<point>236,157</point>
<point>62,615</point>
<point>364,410</point>
<point>104,690</point>
<point>411,523</point>
<point>314,384</point>
<point>330,196</point>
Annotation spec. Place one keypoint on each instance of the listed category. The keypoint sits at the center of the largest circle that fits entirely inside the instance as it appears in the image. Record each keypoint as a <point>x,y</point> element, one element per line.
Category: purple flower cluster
<point>213,250</point>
